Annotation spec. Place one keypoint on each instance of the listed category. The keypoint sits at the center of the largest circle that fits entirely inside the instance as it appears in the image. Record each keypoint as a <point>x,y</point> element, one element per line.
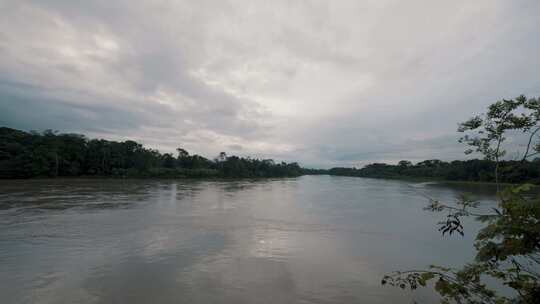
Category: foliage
<point>49,154</point>
<point>477,170</point>
<point>508,246</point>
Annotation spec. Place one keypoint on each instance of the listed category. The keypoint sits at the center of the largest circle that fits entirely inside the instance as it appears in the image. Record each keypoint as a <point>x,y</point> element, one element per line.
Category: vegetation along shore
<point>52,154</point>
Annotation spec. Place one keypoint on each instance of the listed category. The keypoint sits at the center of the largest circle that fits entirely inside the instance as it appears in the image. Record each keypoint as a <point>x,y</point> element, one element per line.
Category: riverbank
<point>434,180</point>
<point>472,170</point>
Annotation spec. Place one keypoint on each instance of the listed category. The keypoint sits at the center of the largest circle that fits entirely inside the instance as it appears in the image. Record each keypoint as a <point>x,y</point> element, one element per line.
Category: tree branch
<point>529,145</point>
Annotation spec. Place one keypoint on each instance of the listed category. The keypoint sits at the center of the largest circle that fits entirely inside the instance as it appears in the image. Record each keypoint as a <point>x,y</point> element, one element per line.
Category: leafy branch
<point>508,246</point>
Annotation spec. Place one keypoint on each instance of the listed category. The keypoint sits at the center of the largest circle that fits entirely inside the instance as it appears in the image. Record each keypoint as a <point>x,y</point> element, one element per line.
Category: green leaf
<point>522,188</point>
<point>426,276</point>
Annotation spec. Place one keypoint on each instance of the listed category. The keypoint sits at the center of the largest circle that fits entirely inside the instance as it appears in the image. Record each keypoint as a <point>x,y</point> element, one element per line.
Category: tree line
<point>477,170</point>
<point>52,154</point>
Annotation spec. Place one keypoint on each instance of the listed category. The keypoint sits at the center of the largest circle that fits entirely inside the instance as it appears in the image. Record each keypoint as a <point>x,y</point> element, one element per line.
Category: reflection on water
<point>313,239</point>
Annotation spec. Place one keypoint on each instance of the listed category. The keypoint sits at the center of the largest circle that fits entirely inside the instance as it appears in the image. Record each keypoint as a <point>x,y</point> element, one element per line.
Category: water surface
<point>313,239</point>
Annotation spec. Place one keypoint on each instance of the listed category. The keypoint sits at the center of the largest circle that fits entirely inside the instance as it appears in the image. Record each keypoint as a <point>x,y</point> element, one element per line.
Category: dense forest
<point>50,154</point>
<point>467,170</point>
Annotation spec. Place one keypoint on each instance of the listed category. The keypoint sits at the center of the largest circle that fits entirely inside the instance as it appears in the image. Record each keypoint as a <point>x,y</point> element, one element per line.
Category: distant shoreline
<point>428,179</point>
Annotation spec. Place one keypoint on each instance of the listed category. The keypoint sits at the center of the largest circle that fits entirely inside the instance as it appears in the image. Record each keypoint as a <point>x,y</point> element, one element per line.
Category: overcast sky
<point>325,83</point>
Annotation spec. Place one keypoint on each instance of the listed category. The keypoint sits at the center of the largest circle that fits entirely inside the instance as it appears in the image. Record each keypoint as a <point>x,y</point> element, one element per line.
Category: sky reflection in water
<point>313,239</point>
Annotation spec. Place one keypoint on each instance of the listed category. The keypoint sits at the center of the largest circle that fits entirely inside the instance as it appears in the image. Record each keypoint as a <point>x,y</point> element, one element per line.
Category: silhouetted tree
<point>24,155</point>
<point>508,247</point>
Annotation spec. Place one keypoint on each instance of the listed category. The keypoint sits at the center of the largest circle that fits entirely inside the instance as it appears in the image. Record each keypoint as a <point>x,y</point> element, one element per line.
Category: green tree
<point>25,155</point>
<point>182,153</point>
<point>508,246</point>
<point>168,161</point>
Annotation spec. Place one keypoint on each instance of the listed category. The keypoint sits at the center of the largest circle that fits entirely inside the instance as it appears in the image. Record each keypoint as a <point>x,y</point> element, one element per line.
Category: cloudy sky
<point>325,83</point>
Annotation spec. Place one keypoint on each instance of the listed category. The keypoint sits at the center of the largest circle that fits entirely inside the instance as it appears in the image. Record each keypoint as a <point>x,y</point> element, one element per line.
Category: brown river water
<point>312,239</point>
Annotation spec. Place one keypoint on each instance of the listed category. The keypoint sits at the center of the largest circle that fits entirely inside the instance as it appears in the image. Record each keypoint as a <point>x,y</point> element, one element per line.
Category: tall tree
<point>508,247</point>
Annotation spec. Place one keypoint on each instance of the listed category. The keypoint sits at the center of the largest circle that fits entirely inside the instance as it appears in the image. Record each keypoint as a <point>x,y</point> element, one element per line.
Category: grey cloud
<point>324,83</point>
<point>236,147</point>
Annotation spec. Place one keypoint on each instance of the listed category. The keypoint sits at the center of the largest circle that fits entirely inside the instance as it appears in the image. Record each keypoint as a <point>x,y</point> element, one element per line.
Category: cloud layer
<point>323,82</point>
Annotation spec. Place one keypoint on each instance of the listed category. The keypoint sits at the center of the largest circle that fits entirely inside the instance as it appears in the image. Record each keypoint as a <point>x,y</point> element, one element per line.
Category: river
<point>312,239</point>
